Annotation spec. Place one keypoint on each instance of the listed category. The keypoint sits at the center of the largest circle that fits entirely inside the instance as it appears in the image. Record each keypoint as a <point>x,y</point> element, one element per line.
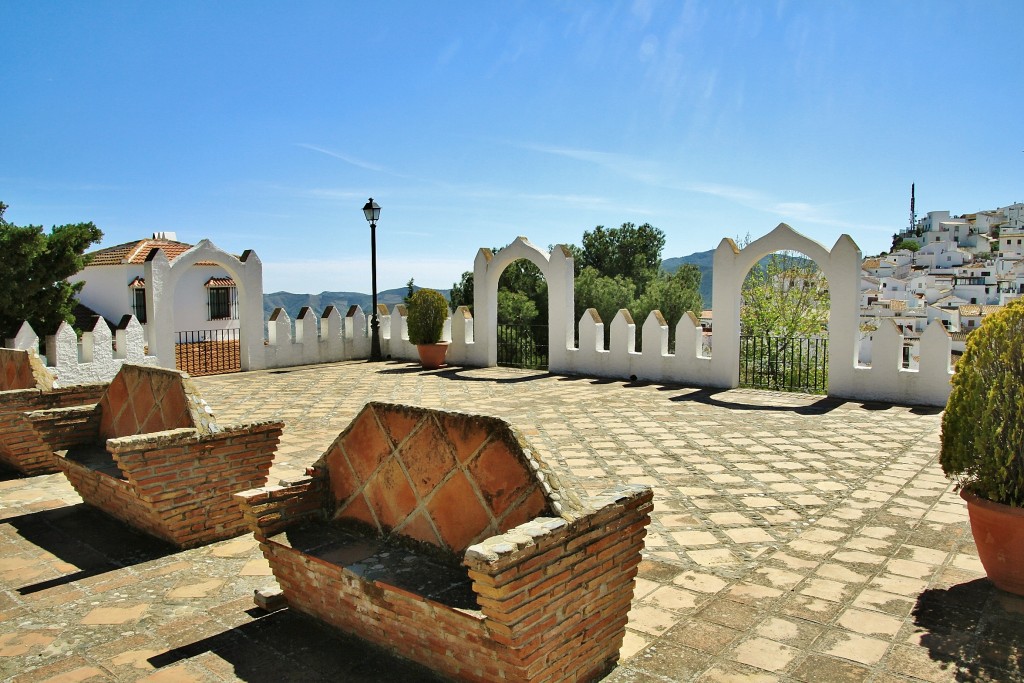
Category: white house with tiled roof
<point>206,298</point>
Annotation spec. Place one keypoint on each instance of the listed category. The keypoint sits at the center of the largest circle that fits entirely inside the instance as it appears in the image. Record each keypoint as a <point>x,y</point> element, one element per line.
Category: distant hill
<point>704,260</point>
<point>293,303</point>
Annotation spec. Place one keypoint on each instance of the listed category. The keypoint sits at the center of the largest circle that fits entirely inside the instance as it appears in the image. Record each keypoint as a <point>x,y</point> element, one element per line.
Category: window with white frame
<point>137,288</point>
<point>222,299</point>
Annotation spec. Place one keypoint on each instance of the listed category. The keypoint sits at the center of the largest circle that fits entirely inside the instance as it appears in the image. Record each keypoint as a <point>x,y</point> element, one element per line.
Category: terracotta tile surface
<point>427,457</point>
<point>500,476</point>
<point>458,514</point>
<point>390,494</point>
<point>365,446</point>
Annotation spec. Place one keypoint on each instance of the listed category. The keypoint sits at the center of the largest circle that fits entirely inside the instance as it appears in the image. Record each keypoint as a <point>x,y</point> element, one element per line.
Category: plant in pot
<point>983,442</point>
<point>428,310</point>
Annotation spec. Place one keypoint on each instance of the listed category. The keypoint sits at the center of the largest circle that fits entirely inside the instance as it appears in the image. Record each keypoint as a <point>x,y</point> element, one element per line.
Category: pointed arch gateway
<point>163,277</point>
<point>557,269</point>
<point>841,267</point>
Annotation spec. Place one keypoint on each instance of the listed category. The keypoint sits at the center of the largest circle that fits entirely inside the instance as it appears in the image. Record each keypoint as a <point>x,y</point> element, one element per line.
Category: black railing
<point>208,352</point>
<point>523,346</point>
<point>780,364</point>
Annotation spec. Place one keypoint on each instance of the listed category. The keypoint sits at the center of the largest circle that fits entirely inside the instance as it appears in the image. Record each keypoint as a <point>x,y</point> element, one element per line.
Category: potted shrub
<point>983,442</point>
<point>428,310</point>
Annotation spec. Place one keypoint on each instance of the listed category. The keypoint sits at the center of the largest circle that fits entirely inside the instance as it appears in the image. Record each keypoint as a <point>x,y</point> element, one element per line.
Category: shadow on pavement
<point>974,629</point>
<point>9,474</point>
<point>710,397</point>
<point>86,538</point>
<point>457,373</point>
<point>268,648</point>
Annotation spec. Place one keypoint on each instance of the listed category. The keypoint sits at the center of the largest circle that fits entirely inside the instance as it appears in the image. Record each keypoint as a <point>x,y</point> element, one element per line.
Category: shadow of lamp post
<point>372,212</point>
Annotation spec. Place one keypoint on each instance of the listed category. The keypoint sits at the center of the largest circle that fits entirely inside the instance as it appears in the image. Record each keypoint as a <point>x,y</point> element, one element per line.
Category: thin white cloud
<point>344,157</point>
<point>656,175</point>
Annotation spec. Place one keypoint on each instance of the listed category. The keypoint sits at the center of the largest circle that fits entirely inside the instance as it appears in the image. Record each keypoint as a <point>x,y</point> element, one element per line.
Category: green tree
<point>785,302</point>
<point>606,294</point>
<point>910,245</point>
<point>524,278</point>
<point>628,251</point>
<point>410,290</point>
<point>515,308</point>
<point>462,292</point>
<point>672,294</point>
<point>33,273</point>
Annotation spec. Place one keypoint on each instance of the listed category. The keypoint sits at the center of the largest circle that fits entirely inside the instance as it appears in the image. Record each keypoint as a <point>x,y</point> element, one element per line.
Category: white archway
<point>557,269</point>
<point>162,279</point>
<point>841,267</point>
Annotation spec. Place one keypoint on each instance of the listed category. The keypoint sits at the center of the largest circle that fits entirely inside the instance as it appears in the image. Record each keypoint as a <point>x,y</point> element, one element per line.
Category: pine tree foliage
<point>33,271</point>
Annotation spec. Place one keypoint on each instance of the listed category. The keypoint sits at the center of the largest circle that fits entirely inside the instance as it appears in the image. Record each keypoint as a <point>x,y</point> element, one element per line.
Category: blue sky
<point>266,126</point>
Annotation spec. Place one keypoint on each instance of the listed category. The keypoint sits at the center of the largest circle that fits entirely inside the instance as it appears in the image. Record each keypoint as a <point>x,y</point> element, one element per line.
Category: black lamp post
<point>372,212</point>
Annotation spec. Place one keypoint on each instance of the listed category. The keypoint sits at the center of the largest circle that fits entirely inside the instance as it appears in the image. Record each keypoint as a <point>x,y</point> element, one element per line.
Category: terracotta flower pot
<point>432,355</point>
<point>999,535</point>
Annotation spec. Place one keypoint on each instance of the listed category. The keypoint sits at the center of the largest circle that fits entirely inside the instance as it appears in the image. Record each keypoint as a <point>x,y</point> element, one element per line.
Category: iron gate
<point>781,364</point>
<point>523,346</point>
<point>208,352</point>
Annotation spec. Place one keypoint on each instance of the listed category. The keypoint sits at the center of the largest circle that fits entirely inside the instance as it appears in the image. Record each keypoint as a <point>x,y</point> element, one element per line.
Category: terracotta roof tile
<point>136,252</point>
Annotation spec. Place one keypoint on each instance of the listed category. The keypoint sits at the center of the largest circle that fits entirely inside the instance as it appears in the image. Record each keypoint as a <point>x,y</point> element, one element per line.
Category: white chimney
<point>171,236</point>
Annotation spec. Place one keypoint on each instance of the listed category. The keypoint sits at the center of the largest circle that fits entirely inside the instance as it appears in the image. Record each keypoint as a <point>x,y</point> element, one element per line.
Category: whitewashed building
<point>206,298</point>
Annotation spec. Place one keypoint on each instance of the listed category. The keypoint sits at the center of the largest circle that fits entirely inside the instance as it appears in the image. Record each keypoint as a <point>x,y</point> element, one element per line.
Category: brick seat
<point>151,454</point>
<point>25,386</point>
<point>444,538</point>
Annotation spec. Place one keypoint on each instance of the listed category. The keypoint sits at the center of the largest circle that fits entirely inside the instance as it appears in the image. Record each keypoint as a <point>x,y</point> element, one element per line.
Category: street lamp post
<point>372,212</point>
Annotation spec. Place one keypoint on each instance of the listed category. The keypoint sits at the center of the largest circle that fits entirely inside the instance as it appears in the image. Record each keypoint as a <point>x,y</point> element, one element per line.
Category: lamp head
<point>371,210</point>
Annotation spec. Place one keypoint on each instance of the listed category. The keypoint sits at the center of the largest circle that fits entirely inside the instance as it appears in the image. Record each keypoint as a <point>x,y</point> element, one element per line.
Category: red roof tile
<point>136,252</point>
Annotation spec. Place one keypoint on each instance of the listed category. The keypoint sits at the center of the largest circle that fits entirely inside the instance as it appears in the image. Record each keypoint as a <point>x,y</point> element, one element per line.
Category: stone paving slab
<point>794,538</point>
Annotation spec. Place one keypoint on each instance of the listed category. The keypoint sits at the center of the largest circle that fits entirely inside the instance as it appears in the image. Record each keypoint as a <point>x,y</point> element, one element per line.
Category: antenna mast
<point>913,213</point>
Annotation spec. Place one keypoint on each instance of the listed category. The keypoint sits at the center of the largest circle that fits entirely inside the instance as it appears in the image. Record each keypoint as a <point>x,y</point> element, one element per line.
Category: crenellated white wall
<point>94,358</point>
<point>885,380</point>
<point>334,336</point>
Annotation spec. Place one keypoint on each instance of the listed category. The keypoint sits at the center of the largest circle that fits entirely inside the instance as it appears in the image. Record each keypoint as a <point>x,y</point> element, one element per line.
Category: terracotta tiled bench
<point>443,537</point>
<point>151,454</point>
<point>26,385</point>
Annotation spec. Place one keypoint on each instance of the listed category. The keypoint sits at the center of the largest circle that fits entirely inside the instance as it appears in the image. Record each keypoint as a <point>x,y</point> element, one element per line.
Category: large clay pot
<point>999,535</point>
<point>432,355</point>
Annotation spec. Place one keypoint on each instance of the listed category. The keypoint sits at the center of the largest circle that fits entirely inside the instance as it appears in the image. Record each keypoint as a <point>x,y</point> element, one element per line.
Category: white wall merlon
<point>95,358</point>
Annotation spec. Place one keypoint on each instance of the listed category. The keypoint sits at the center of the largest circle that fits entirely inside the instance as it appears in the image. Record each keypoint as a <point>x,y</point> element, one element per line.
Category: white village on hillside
<point>967,267</point>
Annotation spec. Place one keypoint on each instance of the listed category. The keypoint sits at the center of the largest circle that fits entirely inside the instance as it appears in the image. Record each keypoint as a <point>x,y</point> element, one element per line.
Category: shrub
<point>427,312</point>
<point>983,426</point>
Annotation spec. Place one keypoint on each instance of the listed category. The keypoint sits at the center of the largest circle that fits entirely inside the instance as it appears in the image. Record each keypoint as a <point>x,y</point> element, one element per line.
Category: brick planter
<point>152,455</point>
<point>445,539</point>
<point>26,385</point>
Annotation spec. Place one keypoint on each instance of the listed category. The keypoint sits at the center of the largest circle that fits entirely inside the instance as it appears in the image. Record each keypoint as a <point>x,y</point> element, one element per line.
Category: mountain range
<point>293,303</point>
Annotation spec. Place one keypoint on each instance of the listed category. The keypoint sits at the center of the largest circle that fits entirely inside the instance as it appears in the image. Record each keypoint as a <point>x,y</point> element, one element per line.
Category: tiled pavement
<point>793,539</point>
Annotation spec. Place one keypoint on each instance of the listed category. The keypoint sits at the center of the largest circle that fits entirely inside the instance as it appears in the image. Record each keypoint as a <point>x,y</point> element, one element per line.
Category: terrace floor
<point>794,538</point>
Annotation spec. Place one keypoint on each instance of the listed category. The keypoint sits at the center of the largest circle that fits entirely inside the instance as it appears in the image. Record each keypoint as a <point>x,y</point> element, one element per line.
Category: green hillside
<point>293,303</point>
<point>704,260</point>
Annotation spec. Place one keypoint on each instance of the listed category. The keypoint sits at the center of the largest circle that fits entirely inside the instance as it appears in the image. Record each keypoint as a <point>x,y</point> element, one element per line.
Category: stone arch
<point>163,276</point>
<point>557,269</point>
<point>841,267</point>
